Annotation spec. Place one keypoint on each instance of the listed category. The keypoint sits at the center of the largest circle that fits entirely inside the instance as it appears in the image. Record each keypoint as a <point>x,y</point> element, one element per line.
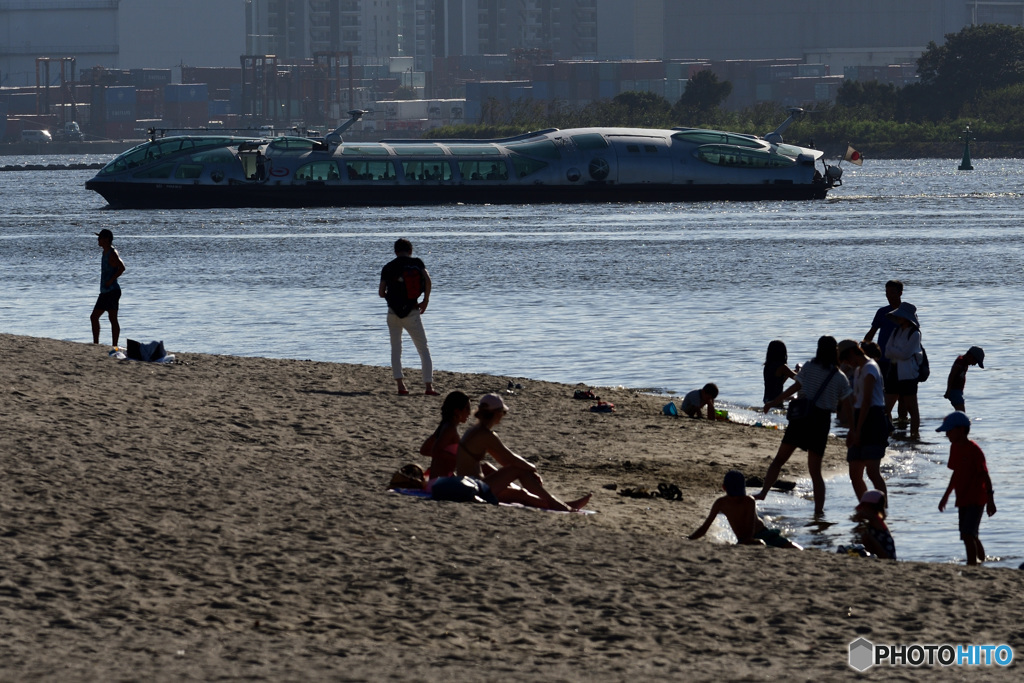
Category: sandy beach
<point>227,518</point>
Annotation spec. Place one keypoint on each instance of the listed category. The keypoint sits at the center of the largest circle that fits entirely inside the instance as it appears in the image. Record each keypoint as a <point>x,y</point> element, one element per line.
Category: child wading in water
<point>957,379</point>
<point>741,511</point>
<point>971,482</point>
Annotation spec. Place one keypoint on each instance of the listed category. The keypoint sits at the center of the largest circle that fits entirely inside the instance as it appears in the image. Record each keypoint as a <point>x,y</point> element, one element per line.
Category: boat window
<point>590,141</point>
<point>425,150</point>
<point>427,170</point>
<point>366,150</point>
<point>130,159</point>
<point>710,137</point>
<point>474,150</point>
<point>651,149</point>
<point>370,170</point>
<point>221,155</point>
<point>188,171</point>
<point>545,149</point>
<point>524,166</point>
<point>151,151</point>
<point>160,171</point>
<point>293,144</point>
<point>633,149</point>
<point>483,170</point>
<point>739,157</point>
<point>319,170</point>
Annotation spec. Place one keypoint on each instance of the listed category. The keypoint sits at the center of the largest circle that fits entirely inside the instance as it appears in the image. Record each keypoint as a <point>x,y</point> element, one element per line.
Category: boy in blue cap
<point>971,482</point>
<point>958,376</point>
<point>741,511</point>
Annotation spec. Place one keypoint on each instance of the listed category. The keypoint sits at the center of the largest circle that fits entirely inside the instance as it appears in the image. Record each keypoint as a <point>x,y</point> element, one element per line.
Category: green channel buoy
<point>965,163</point>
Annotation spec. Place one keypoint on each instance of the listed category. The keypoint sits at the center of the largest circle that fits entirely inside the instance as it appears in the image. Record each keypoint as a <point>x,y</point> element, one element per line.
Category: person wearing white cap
<point>970,480</point>
<point>480,440</point>
<point>957,379</point>
<point>904,351</point>
<point>111,268</point>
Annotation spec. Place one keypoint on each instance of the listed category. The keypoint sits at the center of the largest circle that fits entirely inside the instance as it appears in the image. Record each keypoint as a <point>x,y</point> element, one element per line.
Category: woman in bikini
<point>479,441</point>
<point>443,445</point>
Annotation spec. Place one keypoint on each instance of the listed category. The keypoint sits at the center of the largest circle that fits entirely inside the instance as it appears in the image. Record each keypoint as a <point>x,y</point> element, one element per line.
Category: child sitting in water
<point>741,512</point>
<point>705,396</point>
<point>871,527</point>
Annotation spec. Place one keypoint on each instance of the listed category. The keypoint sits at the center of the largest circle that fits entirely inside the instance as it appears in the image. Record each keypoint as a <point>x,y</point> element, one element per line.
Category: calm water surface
<point>658,296</point>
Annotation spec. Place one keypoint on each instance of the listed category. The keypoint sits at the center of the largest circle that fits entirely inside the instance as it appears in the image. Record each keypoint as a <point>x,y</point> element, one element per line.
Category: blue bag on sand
<point>462,490</point>
<point>670,409</point>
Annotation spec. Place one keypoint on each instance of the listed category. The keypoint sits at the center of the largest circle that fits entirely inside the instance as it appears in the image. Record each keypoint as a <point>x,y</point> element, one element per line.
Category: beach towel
<point>419,493</point>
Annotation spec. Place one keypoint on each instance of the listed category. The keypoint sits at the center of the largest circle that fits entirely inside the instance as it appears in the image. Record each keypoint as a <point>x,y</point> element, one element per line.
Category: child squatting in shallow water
<point>741,512</point>
<point>872,530</point>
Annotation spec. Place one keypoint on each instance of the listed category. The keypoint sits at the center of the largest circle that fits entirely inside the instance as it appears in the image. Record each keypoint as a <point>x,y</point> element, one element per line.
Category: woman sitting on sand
<point>443,445</point>
<point>479,440</point>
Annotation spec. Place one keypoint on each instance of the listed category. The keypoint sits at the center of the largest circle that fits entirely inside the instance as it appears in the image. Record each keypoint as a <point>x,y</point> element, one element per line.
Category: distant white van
<point>42,136</point>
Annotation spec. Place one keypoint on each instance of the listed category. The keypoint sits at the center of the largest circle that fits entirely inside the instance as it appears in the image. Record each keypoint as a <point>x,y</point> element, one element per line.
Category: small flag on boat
<point>853,156</point>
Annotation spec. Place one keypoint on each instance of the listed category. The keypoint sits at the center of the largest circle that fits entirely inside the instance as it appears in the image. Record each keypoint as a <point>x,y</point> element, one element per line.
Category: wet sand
<point>226,518</point>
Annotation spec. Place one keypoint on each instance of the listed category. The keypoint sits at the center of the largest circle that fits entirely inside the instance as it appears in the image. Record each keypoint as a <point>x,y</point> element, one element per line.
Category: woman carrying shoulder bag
<point>820,382</point>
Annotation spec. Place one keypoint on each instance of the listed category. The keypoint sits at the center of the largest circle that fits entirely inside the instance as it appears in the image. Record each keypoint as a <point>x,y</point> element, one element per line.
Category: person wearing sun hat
<point>957,379</point>
<point>111,268</point>
<point>904,352</point>
<point>479,441</point>
<point>970,480</point>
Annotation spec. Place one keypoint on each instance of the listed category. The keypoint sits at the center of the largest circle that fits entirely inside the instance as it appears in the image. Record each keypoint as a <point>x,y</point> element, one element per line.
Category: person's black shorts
<point>874,436</point>
<point>907,387</point>
<point>810,433</point>
<point>891,380</point>
<point>108,301</point>
<point>970,520</point>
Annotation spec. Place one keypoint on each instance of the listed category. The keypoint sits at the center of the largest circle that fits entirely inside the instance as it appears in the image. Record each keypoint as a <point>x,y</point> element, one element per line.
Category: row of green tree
<point>976,77</point>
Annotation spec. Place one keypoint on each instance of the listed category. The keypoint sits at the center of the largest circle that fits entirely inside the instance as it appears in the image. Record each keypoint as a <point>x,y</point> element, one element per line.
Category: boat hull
<point>175,196</point>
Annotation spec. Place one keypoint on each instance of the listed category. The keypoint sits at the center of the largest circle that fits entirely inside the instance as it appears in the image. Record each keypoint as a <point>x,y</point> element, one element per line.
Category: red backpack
<point>412,276</point>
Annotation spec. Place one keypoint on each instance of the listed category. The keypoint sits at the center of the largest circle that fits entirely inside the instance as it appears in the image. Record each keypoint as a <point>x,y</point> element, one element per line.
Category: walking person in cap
<point>970,480</point>
<point>402,281</point>
<point>480,440</point>
<point>111,268</point>
<point>904,353</point>
<point>957,379</point>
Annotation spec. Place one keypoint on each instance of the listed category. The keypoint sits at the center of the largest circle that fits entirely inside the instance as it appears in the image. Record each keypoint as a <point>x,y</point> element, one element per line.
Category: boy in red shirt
<point>971,482</point>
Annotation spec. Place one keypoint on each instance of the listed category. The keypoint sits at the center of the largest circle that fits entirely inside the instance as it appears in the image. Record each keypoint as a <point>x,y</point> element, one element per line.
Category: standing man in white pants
<point>402,281</point>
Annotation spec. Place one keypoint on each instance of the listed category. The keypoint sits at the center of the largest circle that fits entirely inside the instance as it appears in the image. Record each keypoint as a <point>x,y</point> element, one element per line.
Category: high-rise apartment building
<point>568,28</point>
<point>297,29</point>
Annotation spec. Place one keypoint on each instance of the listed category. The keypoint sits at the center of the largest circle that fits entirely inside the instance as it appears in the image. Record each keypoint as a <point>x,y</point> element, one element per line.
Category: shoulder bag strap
<point>824,384</point>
